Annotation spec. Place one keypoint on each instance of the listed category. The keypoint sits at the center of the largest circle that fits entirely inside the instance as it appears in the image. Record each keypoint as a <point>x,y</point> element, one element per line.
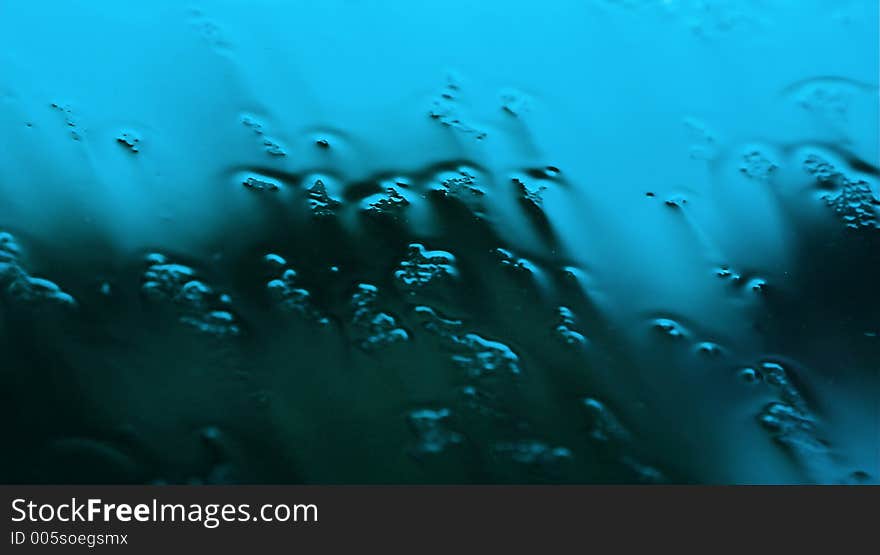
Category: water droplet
<point>260,184</point>
<point>431,431</point>
<point>130,140</point>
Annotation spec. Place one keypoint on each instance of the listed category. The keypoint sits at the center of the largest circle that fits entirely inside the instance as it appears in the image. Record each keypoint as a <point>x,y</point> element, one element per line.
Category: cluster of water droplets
<point>198,305</point>
<point>22,287</point>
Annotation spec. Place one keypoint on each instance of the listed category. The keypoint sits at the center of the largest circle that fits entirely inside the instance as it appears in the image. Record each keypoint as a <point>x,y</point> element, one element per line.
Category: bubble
<point>749,375</point>
<point>670,328</point>
<point>374,329</point>
<point>462,185</point>
<point>484,403</point>
<point>709,349</point>
<point>614,441</point>
<point>677,201</point>
<point>853,200</point>
<point>645,474</point>
<point>164,280</point>
<point>70,119</point>
<point>757,285</point>
<point>274,260</point>
<point>776,376</point>
<point>533,197</point>
<point>482,357</point>
<point>20,285</point>
<point>270,145</point>
<point>514,264</point>
<point>826,98</point>
<point>430,427</point>
<point>514,102</point>
<point>437,324</point>
<point>790,427</point>
<point>447,110</point>
<point>195,301</point>
<point>261,184</point>
<point>9,249</point>
<point>564,329</point>
<point>421,268</point>
<point>155,258</point>
<point>130,140</point>
<point>478,356</point>
<point>725,272</point>
<point>290,297</point>
<point>531,452</point>
<point>856,205</point>
<point>551,172</point>
<point>602,424</point>
<point>273,149</point>
<point>756,165</point>
<point>215,322</point>
<point>391,203</point>
<point>790,421</point>
<point>320,202</point>
<point>820,168</point>
<point>28,289</point>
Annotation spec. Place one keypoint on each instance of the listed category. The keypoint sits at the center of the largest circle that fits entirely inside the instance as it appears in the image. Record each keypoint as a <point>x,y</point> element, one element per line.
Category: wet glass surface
<point>471,242</point>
